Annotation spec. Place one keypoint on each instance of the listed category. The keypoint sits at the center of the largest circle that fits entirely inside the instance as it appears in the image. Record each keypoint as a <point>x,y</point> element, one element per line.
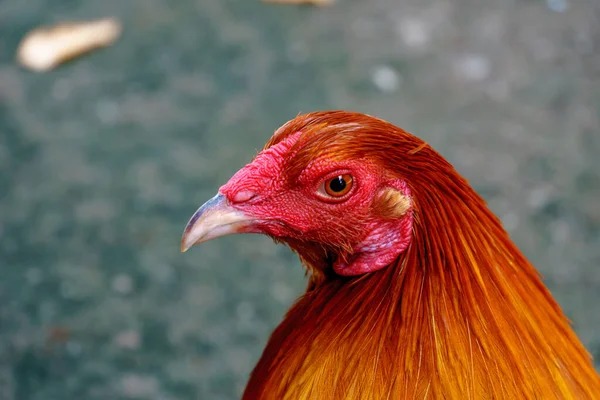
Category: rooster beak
<point>213,219</point>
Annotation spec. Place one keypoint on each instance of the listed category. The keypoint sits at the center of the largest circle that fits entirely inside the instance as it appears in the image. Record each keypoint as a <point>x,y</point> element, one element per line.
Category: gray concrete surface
<point>103,161</point>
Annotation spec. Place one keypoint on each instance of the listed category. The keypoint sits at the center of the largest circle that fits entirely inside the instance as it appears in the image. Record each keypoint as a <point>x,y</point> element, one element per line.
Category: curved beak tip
<point>213,219</point>
<point>183,247</point>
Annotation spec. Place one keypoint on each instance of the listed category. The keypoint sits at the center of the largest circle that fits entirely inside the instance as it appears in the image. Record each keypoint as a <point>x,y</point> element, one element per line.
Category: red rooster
<point>415,289</point>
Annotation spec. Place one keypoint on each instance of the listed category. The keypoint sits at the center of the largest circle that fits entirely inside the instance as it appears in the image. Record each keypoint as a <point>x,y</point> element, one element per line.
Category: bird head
<point>330,185</point>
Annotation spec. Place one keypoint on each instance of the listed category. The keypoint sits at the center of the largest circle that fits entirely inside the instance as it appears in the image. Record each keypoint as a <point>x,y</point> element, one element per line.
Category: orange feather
<point>461,314</point>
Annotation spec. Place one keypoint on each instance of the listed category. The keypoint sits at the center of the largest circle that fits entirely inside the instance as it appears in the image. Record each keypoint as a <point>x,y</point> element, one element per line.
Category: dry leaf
<point>47,47</point>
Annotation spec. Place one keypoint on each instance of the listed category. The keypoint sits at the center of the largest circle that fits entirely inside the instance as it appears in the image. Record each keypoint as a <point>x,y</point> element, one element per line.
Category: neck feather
<point>461,314</point>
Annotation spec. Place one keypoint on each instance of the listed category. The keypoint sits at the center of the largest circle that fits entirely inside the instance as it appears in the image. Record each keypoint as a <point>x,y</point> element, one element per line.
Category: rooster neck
<point>461,314</point>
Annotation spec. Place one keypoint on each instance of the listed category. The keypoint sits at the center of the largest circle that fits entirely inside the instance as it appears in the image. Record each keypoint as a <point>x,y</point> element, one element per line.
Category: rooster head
<point>323,186</point>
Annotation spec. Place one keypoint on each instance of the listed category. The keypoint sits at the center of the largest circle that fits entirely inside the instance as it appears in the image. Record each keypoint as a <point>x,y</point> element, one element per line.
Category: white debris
<point>413,32</point>
<point>281,292</point>
<point>473,67</point>
<point>386,78</point>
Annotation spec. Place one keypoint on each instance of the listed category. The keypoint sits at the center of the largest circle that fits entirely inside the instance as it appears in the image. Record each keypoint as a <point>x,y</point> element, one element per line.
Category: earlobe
<point>391,203</point>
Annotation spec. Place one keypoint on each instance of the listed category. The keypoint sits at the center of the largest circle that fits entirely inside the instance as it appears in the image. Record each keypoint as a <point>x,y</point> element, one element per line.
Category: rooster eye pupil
<point>338,187</point>
<point>337,184</point>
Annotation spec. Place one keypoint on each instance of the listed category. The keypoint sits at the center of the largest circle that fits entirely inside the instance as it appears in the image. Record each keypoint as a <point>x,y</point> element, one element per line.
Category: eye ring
<point>336,187</point>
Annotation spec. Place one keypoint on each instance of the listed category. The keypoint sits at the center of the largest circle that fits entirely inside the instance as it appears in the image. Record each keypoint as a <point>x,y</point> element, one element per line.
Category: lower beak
<point>215,218</point>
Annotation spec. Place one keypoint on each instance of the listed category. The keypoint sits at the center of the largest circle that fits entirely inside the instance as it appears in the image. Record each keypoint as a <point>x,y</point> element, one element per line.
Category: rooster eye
<point>338,186</point>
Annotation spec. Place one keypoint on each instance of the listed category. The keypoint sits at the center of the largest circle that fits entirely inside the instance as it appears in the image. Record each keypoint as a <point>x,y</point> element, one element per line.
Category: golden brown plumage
<point>459,314</point>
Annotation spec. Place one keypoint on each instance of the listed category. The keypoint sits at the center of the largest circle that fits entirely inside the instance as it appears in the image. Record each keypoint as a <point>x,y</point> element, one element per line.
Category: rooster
<point>415,290</point>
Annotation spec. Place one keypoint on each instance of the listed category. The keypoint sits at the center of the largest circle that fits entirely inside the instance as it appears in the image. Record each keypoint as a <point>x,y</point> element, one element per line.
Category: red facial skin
<point>298,209</point>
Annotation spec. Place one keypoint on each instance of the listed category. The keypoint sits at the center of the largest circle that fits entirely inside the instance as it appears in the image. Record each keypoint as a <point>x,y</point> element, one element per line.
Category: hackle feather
<point>461,314</point>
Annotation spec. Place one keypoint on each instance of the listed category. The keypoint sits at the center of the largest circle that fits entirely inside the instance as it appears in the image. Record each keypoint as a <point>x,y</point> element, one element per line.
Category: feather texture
<point>461,314</point>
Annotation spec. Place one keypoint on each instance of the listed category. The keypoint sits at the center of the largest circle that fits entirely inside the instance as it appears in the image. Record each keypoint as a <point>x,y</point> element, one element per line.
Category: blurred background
<point>103,160</point>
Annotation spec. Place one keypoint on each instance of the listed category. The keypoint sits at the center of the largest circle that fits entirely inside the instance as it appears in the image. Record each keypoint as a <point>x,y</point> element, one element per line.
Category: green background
<point>104,160</point>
